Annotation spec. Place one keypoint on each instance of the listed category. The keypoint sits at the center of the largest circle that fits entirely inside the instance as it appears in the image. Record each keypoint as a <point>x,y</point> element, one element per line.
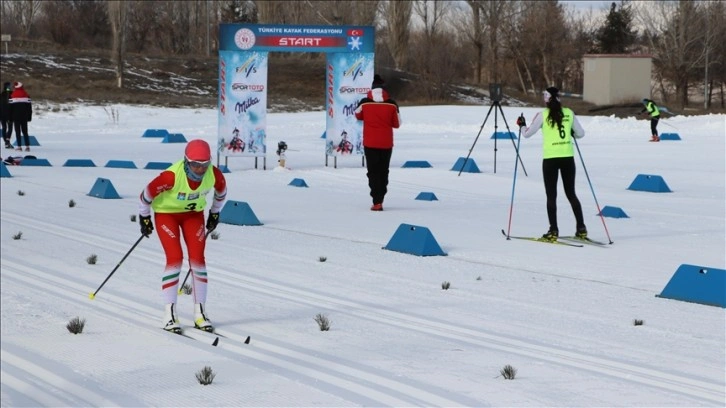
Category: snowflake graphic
<point>354,43</point>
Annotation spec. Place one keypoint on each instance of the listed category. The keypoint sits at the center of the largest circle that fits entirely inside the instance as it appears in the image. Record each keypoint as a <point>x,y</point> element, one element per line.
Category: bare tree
<point>143,21</point>
<point>117,17</point>
<point>397,16</point>
<point>474,28</point>
<point>432,14</point>
<point>58,18</point>
<point>714,34</point>
<point>674,32</point>
<point>27,11</point>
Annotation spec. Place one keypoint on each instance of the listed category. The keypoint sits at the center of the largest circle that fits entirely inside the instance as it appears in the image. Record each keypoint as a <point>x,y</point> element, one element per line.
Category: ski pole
<point>190,267</point>
<point>599,211</point>
<point>514,180</point>
<point>668,124</point>
<point>93,295</point>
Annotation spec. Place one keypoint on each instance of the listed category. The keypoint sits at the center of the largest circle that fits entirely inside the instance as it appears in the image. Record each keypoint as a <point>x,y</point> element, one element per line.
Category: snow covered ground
<point>562,316</point>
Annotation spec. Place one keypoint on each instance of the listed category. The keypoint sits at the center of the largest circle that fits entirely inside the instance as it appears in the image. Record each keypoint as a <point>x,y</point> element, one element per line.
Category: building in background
<point>616,78</point>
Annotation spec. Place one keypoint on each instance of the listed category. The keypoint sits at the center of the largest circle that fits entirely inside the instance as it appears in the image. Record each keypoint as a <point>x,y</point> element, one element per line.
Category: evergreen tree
<point>616,36</point>
<point>240,11</point>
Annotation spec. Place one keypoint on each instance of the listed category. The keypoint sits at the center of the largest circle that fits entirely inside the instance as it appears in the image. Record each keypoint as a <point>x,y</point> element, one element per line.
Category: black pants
<point>7,130</point>
<point>377,163</point>
<point>654,125</point>
<point>551,168</point>
<point>22,126</point>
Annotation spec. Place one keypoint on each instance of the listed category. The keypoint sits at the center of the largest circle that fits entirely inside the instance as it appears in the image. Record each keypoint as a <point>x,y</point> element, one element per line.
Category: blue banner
<point>296,38</point>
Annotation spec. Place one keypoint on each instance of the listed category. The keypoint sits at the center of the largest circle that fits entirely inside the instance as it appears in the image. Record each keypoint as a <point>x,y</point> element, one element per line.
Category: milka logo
<point>355,70</point>
<point>248,67</point>
<point>349,110</point>
<point>241,107</point>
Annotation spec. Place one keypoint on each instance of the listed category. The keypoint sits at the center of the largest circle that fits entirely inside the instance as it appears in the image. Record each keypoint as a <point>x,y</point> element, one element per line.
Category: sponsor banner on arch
<point>349,78</point>
<point>242,104</point>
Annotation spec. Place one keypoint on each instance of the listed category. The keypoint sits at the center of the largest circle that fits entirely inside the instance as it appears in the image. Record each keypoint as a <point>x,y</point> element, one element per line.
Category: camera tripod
<point>495,104</point>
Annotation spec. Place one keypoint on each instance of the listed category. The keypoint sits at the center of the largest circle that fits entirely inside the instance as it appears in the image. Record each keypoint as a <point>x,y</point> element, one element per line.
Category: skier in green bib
<point>652,109</point>
<point>559,125</point>
<point>177,197</point>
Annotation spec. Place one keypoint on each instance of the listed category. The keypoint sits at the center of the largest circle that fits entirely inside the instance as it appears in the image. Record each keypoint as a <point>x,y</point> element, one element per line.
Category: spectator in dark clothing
<point>380,116</point>
<point>7,124</point>
<point>21,112</point>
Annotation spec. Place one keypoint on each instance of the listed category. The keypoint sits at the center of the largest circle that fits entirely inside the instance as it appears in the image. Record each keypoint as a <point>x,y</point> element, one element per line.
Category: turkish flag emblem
<point>355,32</point>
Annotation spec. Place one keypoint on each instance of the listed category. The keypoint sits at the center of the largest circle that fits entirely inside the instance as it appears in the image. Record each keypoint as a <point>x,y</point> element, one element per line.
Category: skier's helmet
<point>198,150</point>
<point>282,146</point>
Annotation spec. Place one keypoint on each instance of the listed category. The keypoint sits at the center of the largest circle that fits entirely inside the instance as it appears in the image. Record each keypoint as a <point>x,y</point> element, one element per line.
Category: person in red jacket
<point>380,115</point>
<point>178,197</point>
<point>21,112</point>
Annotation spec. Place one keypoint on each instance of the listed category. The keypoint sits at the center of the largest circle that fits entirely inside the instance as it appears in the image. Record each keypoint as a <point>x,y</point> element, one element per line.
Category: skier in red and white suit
<point>177,196</point>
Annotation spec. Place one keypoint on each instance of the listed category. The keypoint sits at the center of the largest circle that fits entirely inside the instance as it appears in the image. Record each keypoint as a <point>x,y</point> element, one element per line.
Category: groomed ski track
<point>347,380</point>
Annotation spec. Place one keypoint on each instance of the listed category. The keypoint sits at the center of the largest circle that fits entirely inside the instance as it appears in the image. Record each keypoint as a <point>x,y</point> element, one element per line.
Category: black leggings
<point>377,163</point>
<point>654,125</point>
<point>22,126</point>
<point>551,168</point>
<point>7,129</point>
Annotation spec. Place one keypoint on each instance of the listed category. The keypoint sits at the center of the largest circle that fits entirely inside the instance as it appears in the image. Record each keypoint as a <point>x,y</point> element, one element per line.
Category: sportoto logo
<point>349,90</point>
<point>247,87</point>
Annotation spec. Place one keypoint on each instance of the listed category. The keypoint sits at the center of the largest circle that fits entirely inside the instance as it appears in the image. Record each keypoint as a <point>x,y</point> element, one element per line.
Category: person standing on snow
<point>380,116</point>
<point>178,198</point>
<point>21,112</point>
<point>7,124</point>
<point>652,109</point>
<point>559,125</point>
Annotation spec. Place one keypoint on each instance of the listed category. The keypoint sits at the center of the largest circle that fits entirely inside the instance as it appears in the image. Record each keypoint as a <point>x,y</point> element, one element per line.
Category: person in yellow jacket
<point>559,125</point>
<point>652,109</point>
<point>178,197</point>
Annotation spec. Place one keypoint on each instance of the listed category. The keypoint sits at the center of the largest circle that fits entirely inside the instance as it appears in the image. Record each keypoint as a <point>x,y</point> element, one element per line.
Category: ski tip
<point>247,340</point>
<point>215,342</point>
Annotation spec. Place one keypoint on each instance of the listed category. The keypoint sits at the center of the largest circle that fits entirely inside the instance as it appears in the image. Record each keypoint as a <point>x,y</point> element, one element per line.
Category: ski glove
<point>212,221</point>
<point>147,227</point>
<point>521,122</point>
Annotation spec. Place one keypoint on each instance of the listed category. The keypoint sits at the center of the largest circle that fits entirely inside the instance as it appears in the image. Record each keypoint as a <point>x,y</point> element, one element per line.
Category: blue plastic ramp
<point>649,182</point>
<point>670,136</point>
<point>79,163</point>
<point>697,284</point>
<point>466,166</point>
<point>155,133</point>
<point>103,188</point>
<point>157,165</point>
<point>613,212</point>
<point>4,172</point>
<point>504,135</point>
<point>32,139</point>
<point>416,163</point>
<point>426,196</point>
<point>414,240</point>
<point>121,164</point>
<point>298,182</point>
<point>238,213</point>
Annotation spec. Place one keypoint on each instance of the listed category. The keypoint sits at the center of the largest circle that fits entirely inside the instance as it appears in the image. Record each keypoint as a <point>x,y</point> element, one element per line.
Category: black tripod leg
<point>477,138</point>
<point>513,144</point>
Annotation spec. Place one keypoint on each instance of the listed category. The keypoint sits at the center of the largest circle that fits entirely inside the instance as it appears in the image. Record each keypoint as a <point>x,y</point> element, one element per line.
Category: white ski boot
<point>171,321</point>
<point>200,318</point>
